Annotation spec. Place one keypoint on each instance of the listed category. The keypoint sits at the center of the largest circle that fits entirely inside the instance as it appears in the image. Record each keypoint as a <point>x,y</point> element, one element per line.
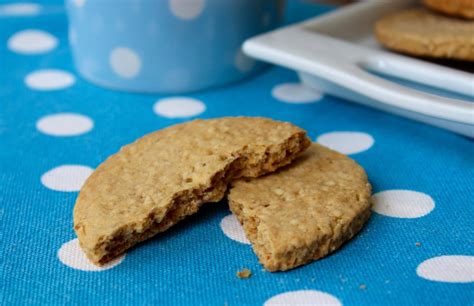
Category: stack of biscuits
<point>297,200</point>
<point>443,29</point>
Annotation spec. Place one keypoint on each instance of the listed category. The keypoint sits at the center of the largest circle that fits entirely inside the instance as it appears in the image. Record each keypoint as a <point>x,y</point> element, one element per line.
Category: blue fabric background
<point>194,262</point>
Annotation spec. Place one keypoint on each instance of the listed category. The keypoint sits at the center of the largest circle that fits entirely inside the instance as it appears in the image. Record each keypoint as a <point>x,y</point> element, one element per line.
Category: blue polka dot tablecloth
<point>55,128</point>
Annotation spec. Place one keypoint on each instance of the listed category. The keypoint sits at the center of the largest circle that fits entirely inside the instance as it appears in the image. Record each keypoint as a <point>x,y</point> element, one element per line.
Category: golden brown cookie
<point>303,211</point>
<point>167,175</point>
<point>420,32</point>
<point>458,8</point>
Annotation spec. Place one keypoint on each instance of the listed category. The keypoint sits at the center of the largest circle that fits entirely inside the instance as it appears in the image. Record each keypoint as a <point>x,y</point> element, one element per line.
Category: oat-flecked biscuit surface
<point>458,8</point>
<point>304,211</point>
<point>167,175</point>
<point>420,32</point>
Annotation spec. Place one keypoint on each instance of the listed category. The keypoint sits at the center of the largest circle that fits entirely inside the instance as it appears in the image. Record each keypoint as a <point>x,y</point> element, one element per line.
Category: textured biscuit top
<point>304,210</point>
<point>423,33</point>
<point>167,174</point>
<point>460,8</point>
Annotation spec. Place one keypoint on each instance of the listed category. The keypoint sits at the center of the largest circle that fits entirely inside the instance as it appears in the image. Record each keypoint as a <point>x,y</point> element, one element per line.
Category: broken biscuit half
<point>161,178</point>
<point>303,211</point>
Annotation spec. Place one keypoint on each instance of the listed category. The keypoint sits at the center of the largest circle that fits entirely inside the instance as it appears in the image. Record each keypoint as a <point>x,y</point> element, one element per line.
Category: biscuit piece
<point>303,211</point>
<point>167,175</point>
<point>420,32</point>
<point>458,8</point>
<point>245,273</point>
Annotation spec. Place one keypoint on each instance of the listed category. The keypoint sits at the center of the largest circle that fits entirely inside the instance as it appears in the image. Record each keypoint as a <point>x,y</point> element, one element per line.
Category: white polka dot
<point>66,178</point>
<point>347,142</point>
<point>295,93</point>
<point>402,203</point>
<point>186,9</point>
<point>20,9</point>
<point>243,62</point>
<point>125,62</point>
<point>233,229</point>
<point>71,255</point>
<point>79,3</point>
<point>65,124</point>
<point>32,42</point>
<point>49,79</point>
<point>303,297</point>
<point>449,269</point>
<point>179,107</point>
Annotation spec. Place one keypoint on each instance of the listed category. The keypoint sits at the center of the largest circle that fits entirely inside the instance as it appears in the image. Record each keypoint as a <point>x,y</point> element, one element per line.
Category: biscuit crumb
<point>362,287</point>
<point>245,273</point>
<point>418,244</point>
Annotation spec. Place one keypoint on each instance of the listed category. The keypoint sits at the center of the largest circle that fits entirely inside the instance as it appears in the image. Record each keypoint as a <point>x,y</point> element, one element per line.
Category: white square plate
<point>337,54</point>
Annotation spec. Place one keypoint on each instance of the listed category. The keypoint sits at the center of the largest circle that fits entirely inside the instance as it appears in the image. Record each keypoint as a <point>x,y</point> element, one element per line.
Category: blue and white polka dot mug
<point>166,45</point>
